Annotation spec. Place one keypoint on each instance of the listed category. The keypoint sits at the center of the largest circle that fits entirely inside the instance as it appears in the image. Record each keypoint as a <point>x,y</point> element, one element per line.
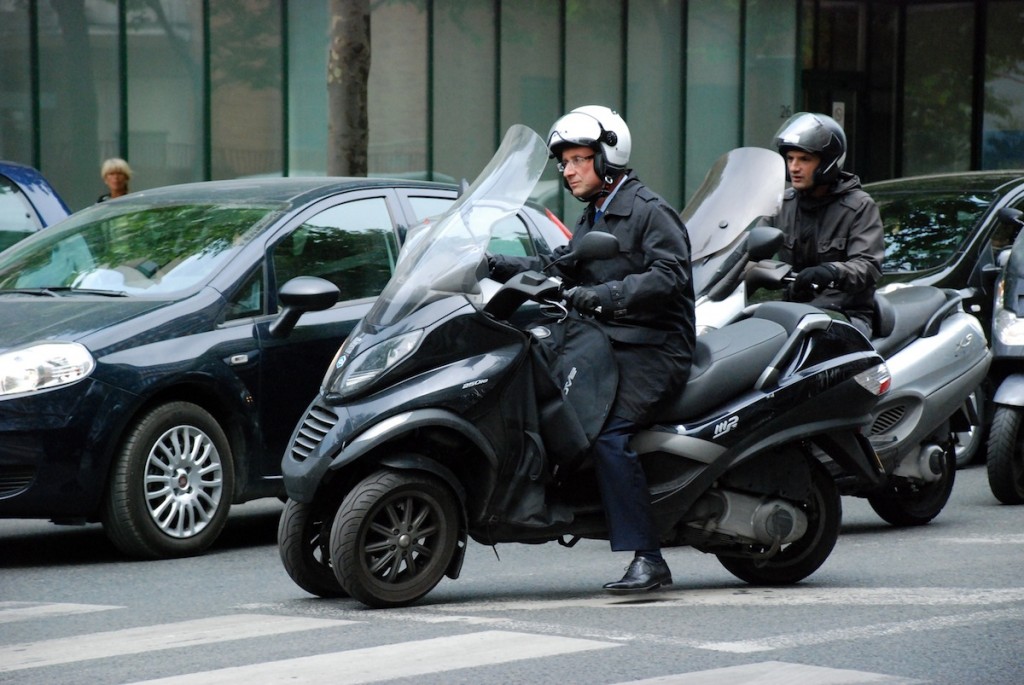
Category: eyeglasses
<point>573,162</point>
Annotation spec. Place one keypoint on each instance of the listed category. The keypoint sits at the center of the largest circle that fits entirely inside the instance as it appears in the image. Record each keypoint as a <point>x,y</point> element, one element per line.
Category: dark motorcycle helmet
<point>599,128</point>
<point>818,134</point>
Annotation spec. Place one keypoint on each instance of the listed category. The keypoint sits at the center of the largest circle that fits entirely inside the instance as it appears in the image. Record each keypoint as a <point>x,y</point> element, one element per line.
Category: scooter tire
<point>394,537</point>
<point>800,558</point>
<point>1005,461</point>
<point>303,541</point>
<point>904,505</point>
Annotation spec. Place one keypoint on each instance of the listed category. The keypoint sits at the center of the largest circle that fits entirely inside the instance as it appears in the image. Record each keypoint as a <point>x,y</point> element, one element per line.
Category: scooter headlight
<point>1007,328</point>
<point>352,374</point>
<point>43,366</point>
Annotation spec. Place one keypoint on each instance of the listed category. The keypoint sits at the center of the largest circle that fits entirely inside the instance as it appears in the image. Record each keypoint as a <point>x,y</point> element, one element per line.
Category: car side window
<point>352,245</point>
<point>17,220</point>
<point>509,237</point>
<point>1005,233</point>
<point>429,207</point>
<point>248,301</point>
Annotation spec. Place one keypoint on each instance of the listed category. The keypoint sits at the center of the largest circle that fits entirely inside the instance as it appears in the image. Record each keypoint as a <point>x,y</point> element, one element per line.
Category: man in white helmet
<point>643,300</point>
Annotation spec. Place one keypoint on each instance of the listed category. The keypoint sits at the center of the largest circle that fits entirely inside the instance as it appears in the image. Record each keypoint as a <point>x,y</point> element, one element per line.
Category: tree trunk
<point>348,74</point>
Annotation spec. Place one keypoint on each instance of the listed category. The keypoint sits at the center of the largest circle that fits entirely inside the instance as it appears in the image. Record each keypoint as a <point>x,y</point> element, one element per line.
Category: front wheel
<point>394,537</point>
<point>1005,462</point>
<point>172,484</point>
<point>303,541</point>
<point>800,558</point>
<point>907,503</point>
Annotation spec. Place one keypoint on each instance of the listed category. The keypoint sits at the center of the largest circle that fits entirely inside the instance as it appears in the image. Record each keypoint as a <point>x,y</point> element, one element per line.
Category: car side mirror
<point>300,295</point>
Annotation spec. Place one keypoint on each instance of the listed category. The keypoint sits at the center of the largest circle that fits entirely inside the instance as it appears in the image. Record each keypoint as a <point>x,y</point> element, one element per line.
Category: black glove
<point>584,300</point>
<point>816,278</point>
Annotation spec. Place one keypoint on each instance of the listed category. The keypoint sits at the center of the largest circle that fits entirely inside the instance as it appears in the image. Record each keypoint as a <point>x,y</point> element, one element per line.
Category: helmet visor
<point>575,128</point>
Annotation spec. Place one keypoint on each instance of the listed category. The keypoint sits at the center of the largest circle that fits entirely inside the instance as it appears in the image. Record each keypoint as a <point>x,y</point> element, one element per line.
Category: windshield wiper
<point>57,291</point>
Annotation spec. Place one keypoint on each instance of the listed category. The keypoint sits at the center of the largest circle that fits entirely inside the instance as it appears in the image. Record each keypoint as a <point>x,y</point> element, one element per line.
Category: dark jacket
<point>646,294</point>
<point>842,228</point>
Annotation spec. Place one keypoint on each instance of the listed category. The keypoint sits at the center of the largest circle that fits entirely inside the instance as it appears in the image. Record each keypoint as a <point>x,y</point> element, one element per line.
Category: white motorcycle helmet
<point>599,128</point>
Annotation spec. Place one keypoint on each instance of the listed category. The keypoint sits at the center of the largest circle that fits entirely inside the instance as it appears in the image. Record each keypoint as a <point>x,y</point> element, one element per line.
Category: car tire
<point>1005,464</point>
<point>172,484</point>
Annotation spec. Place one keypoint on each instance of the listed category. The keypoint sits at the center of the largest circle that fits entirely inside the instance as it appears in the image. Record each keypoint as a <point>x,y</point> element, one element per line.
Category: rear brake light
<point>875,380</point>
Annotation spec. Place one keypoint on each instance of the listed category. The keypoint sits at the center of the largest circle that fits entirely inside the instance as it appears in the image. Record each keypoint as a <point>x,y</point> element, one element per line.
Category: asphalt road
<point>942,603</point>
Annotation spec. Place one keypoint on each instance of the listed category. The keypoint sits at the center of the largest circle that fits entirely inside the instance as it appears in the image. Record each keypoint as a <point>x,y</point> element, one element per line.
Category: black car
<point>943,230</point>
<point>138,383</point>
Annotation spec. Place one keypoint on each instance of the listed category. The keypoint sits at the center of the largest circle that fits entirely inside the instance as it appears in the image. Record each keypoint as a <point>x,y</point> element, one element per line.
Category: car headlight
<point>352,374</point>
<point>46,365</point>
<point>1007,328</point>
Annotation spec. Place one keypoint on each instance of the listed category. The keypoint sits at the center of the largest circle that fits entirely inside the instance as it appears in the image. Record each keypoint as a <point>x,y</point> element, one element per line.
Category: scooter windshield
<point>743,187</point>
<point>446,257</point>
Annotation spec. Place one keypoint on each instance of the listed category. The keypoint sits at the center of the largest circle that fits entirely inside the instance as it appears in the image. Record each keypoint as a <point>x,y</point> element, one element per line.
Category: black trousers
<point>623,486</point>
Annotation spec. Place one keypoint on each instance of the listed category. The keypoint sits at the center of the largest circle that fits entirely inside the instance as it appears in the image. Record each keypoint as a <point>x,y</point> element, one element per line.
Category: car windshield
<point>925,231</point>
<point>133,248</point>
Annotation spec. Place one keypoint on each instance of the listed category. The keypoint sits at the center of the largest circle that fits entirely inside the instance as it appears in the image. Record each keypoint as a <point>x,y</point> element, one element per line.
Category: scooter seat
<point>905,312</point>
<point>726,362</point>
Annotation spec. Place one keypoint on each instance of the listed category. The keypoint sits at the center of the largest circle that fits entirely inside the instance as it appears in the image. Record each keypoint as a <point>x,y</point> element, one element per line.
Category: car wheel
<point>802,557</point>
<point>1005,462</point>
<point>394,537</point>
<point>967,443</point>
<point>303,540</point>
<point>172,484</point>
<point>915,504</point>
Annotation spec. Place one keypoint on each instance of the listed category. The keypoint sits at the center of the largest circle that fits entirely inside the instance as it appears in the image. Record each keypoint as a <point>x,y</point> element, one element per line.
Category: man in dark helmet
<point>642,299</point>
<point>833,232</point>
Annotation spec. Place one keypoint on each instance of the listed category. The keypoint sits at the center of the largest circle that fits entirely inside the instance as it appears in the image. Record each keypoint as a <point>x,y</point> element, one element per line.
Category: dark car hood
<point>63,318</point>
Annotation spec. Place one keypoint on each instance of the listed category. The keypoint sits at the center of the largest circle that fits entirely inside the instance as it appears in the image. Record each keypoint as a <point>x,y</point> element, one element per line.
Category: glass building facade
<point>190,90</point>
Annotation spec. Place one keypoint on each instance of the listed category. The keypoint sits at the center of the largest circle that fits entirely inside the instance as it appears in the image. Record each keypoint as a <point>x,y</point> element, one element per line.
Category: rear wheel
<point>800,558</point>
<point>172,484</point>
<point>394,537</point>
<point>303,540</point>
<point>1005,462</point>
<point>915,504</point>
<point>967,443</point>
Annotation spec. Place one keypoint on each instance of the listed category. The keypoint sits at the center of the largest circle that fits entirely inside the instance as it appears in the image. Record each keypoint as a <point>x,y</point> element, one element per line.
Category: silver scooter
<point>937,354</point>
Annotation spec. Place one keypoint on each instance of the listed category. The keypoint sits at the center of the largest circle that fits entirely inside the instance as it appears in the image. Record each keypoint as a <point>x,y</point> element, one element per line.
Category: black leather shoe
<point>643,575</point>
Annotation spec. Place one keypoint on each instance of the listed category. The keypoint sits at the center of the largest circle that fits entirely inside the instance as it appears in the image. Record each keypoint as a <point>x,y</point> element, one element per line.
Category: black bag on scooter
<point>576,378</point>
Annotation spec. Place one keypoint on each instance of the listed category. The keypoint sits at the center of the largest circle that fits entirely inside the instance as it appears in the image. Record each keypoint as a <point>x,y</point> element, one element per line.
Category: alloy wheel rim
<point>184,482</point>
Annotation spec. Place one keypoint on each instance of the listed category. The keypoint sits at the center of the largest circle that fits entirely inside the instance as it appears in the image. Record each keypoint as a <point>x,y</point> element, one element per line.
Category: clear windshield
<point>445,257</point>
<point>743,187</point>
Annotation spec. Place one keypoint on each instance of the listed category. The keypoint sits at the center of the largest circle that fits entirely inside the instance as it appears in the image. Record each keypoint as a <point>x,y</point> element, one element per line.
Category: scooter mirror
<point>763,242</point>
<point>298,296</point>
<point>597,245</point>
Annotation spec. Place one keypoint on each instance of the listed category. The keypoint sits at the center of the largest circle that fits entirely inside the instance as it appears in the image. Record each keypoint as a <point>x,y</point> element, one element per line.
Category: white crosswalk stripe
<point>24,611</point>
<point>376,664</point>
<point>149,638</point>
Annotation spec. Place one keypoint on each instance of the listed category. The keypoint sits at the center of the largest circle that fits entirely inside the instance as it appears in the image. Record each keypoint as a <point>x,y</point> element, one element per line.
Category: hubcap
<point>184,481</point>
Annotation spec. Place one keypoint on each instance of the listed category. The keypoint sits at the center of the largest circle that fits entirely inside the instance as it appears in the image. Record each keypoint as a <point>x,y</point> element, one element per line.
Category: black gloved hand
<point>584,300</point>
<point>816,278</point>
